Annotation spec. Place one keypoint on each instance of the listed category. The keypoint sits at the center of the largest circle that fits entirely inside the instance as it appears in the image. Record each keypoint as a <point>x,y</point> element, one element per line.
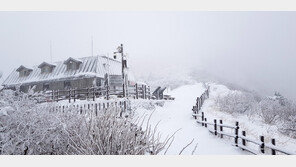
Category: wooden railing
<point>240,139</point>
<point>91,107</point>
<point>136,92</point>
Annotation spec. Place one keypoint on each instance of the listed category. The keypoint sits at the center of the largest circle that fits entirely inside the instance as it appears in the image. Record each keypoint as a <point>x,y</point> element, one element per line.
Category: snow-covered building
<point>69,74</point>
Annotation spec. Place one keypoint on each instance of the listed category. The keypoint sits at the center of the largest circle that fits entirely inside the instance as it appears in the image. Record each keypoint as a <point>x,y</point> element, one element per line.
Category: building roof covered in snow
<point>94,66</point>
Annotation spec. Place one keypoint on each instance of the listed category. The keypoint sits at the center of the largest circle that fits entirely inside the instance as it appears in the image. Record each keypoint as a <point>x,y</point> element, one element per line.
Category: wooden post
<point>63,108</point>
<point>194,112</point>
<point>221,128</point>
<point>206,125</point>
<point>94,94</point>
<point>123,89</point>
<point>273,150</point>
<point>143,93</point>
<point>137,91</point>
<point>262,144</point>
<point>80,109</point>
<point>74,95</point>
<point>215,127</point>
<point>244,140</point>
<point>57,95</point>
<point>96,109</point>
<point>70,96</point>
<point>202,118</point>
<point>197,103</point>
<point>236,133</point>
<point>145,87</point>
<point>149,95</point>
<point>107,93</point>
<point>87,93</point>
<point>52,95</point>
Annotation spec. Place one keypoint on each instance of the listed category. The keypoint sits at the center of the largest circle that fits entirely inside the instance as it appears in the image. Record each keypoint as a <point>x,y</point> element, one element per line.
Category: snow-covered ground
<point>176,115</point>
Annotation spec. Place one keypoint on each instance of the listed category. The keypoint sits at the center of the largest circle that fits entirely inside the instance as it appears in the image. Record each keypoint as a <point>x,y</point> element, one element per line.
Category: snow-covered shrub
<point>237,102</point>
<point>30,128</point>
<point>270,110</point>
<point>287,119</point>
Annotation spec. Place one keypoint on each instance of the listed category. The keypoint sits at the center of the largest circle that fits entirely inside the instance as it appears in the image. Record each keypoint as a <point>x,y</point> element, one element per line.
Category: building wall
<point>59,85</point>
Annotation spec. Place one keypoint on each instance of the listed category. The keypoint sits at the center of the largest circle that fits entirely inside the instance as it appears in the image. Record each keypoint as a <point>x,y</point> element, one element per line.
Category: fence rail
<point>136,92</point>
<point>240,140</point>
<point>91,107</point>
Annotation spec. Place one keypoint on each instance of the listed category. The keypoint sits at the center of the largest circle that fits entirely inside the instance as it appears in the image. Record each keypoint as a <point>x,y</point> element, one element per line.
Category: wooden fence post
<point>202,118</point>
<point>74,97</point>
<point>94,94</point>
<point>69,96</point>
<point>244,140</point>
<point>143,92</point>
<point>215,127</point>
<point>57,95</point>
<point>137,91</point>
<point>273,150</point>
<point>197,103</point>
<point>221,128</point>
<point>206,125</point>
<point>236,133</point>
<point>107,93</point>
<point>96,109</point>
<point>52,95</point>
<point>87,95</point>
<point>262,144</point>
<point>149,93</point>
<point>194,112</point>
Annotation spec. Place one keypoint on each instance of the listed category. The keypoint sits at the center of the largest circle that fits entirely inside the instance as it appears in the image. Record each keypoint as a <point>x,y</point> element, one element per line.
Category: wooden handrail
<point>199,102</point>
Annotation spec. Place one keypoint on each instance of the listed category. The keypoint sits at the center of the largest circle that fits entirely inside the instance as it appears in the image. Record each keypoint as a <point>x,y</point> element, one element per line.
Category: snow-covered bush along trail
<point>177,115</point>
<point>249,120</point>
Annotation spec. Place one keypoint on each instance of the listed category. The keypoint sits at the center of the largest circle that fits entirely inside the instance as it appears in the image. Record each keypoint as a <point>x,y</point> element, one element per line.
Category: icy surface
<point>176,115</point>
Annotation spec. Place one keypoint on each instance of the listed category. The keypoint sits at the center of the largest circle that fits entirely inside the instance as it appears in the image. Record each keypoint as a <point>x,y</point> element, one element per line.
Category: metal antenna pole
<point>92,46</point>
<point>50,50</point>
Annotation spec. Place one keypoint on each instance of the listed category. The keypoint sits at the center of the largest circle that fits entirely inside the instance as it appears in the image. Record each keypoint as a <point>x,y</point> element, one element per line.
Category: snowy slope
<point>177,114</point>
<point>253,125</point>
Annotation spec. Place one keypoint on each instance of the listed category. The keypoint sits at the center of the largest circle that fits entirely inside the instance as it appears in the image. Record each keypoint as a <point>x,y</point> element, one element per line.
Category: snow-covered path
<point>177,114</point>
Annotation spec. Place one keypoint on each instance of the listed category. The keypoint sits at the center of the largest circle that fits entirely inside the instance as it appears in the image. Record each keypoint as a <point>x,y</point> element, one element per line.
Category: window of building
<point>72,66</point>
<point>67,84</point>
<point>45,86</point>
<point>46,69</point>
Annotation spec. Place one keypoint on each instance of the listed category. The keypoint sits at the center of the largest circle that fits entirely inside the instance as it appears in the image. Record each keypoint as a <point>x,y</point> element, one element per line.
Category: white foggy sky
<point>252,49</point>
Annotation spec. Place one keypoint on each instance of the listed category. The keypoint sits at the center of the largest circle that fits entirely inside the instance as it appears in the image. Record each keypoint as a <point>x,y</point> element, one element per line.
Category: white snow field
<point>176,115</point>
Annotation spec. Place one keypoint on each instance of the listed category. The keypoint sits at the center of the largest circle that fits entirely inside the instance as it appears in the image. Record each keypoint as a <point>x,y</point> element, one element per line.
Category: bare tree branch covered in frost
<point>237,102</point>
<point>275,110</point>
<point>270,110</point>
<point>30,128</point>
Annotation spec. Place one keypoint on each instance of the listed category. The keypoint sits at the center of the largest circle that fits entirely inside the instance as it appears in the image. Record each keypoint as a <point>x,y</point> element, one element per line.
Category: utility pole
<point>123,66</point>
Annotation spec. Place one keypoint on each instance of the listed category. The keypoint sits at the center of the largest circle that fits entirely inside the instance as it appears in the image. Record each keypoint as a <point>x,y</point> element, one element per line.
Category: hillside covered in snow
<point>176,117</point>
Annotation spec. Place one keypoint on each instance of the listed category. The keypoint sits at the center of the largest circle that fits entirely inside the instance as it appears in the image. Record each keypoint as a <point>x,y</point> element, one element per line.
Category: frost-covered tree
<point>270,110</point>
<point>30,128</point>
<point>237,102</point>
